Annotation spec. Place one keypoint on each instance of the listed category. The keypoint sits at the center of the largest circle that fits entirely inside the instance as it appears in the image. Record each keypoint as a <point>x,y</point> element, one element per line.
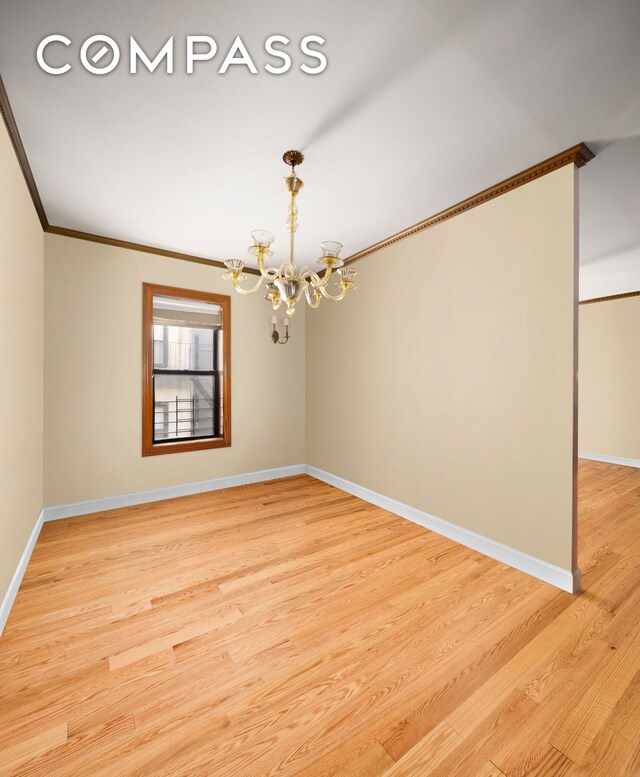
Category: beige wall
<point>446,380</point>
<point>93,373</point>
<point>21,335</point>
<point>610,378</point>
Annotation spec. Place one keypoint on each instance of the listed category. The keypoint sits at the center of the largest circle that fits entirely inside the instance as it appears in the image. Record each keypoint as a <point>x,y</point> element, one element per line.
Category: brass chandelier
<point>286,283</point>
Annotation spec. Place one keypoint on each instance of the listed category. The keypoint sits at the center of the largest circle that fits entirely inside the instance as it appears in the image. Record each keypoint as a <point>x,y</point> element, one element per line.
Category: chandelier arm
<point>313,276</point>
<point>238,288</point>
<point>340,296</point>
<point>312,304</point>
<point>272,273</point>
<point>307,272</point>
<point>325,278</point>
<point>285,270</point>
<point>265,272</point>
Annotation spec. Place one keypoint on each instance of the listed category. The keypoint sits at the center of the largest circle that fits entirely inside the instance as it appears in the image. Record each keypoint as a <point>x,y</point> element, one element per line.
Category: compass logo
<point>101,54</point>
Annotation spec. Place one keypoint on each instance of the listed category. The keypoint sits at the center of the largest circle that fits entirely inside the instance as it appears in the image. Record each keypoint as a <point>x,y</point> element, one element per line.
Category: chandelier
<point>286,283</point>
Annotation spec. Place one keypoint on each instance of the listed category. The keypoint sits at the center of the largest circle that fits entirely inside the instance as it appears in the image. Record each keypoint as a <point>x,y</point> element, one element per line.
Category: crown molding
<point>16,141</point>
<point>610,297</point>
<point>110,241</point>
<point>578,155</point>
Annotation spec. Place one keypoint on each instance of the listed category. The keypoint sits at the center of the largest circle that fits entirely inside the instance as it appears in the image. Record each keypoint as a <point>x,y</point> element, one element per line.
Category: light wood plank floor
<point>287,628</point>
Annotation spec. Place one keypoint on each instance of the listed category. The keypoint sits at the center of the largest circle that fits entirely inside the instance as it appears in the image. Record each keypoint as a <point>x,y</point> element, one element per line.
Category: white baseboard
<point>155,495</point>
<point>549,573</point>
<point>609,459</point>
<point>14,585</point>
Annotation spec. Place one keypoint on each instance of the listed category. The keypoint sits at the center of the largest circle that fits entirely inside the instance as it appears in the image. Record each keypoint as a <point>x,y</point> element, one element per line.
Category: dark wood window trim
<point>149,448</point>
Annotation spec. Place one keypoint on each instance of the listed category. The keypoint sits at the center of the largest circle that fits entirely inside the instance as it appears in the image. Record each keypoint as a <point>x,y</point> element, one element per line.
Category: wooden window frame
<point>149,448</point>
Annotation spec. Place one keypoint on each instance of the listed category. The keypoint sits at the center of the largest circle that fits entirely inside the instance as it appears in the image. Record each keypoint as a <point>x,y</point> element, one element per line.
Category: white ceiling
<point>424,103</point>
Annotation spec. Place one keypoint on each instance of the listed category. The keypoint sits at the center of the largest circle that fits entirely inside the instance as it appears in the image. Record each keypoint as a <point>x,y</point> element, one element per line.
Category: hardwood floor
<point>289,628</point>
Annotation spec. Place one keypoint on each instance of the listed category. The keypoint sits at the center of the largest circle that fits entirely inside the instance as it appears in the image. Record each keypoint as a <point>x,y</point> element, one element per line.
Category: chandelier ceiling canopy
<point>287,283</point>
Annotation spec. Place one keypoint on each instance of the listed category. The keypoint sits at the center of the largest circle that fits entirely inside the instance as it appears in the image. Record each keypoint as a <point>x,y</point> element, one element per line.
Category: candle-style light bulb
<point>286,322</point>
<point>274,320</point>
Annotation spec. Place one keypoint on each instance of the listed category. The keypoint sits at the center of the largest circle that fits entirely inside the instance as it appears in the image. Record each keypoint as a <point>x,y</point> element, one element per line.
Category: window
<point>186,392</point>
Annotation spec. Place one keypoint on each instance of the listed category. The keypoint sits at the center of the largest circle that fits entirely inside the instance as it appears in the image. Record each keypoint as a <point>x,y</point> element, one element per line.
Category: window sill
<point>160,448</point>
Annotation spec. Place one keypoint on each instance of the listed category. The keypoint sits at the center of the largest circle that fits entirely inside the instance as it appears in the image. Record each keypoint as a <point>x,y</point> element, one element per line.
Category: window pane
<point>182,348</point>
<point>160,342</point>
<point>185,407</point>
<point>183,333</point>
